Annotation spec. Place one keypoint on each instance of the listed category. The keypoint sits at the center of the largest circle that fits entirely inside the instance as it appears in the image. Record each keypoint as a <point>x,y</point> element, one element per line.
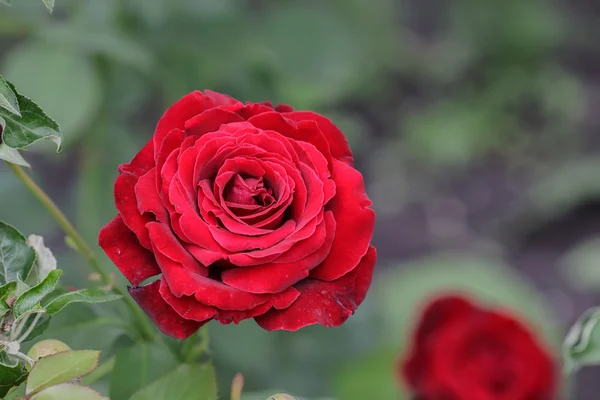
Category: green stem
<point>83,248</point>
<point>196,348</point>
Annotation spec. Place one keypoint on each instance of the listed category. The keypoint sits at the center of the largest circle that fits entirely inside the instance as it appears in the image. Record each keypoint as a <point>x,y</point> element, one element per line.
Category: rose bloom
<point>463,352</point>
<point>244,211</point>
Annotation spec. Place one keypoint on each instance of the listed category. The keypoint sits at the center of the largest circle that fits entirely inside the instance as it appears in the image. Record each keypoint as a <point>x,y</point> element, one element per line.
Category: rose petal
<point>187,306</point>
<point>277,301</point>
<point>184,282</point>
<point>309,133</point>
<point>326,303</point>
<point>210,121</point>
<point>175,117</point>
<point>355,223</point>
<point>163,316</point>
<point>123,248</point>
<point>148,199</point>
<point>164,242</point>
<point>336,139</point>
<point>126,203</point>
<point>276,276</point>
<point>142,162</point>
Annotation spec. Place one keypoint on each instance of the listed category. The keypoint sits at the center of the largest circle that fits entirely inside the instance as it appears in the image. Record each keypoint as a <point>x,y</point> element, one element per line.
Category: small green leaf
<point>33,125</point>
<point>6,292</point>
<point>12,155</point>
<point>79,296</point>
<point>68,391</point>
<point>11,374</point>
<point>582,344</point>
<point>8,98</point>
<point>32,297</point>
<point>44,263</point>
<point>49,5</point>
<point>186,382</point>
<point>16,258</point>
<point>60,368</point>
<point>7,2</point>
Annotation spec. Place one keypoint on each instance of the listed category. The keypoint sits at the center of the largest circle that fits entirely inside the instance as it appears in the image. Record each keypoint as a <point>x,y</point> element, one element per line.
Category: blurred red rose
<point>247,211</point>
<point>463,352</point>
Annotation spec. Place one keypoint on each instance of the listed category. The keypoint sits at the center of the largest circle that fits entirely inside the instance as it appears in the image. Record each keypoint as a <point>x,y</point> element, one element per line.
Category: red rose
<point>247,211</point>
<point>463,352</point>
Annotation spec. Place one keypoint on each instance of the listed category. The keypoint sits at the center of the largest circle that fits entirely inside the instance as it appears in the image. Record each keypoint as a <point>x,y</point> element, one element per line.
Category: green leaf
<point>79,296</point>
<point>7,2</point>
<point>42,324</point>
<point>32,297</point>
<point>60,368</point>
<point>16,258</point>
<point>33,125</point>
<point>6,292</point>
<point>582,344</point>
<point>8,98</point>
<point>186,382</point>
<point>138,366</point>
<point>44,263</point>
<point>49,5</point>
<point>11,374</point>
<point>68,391</point>
<point>12,155</point>
<point>69,89</point>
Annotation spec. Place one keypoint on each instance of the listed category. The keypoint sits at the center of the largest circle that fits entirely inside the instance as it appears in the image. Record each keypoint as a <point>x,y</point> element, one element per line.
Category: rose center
<point>249,191</point>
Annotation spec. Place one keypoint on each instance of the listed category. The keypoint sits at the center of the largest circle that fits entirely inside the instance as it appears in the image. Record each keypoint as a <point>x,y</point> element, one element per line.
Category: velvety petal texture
<point>461,351</point>
<point>242,211</point>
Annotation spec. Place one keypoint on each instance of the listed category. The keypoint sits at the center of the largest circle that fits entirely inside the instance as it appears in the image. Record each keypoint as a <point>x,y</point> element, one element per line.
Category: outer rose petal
<point>123,248</point>
<point>325,303</point>
<point>165,318</point>
<point>127,205</point>
<point>337,141</point>
<point>438,314</point>
<point>355,223</point>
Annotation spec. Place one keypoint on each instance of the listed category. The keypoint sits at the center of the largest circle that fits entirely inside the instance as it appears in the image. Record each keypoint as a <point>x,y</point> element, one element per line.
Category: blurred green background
<point>474,122</point>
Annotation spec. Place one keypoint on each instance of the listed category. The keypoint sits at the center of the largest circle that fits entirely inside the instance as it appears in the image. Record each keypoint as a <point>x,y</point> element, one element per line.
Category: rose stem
<point>83,248</point>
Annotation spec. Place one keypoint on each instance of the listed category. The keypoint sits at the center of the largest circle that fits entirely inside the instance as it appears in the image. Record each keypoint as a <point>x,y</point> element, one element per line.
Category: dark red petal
<point>441,311</point>
<point>275,277</point>
<point>126,203</point>
<point>174,118</point>
<point>210,121</point>
<point>148,199</point>
<point>166,243</point>
<point>165,318</point>
<point>437,315</point>
<point>325,303</point>
<point>183,282</point>
<point>236,243</point>
<point>355,223</point>
<point>277,301</point>
<point>220,99</point>
<point>171,142</point>
<point>187,306</point>
<point>123,248</point>
<point>142,162</point>
<point>307,132</point>
<point>336,139</point>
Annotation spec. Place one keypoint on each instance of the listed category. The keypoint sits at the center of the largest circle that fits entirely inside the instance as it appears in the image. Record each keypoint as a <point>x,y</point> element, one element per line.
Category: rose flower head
<point>461,351</point>
<point>243,211</point>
